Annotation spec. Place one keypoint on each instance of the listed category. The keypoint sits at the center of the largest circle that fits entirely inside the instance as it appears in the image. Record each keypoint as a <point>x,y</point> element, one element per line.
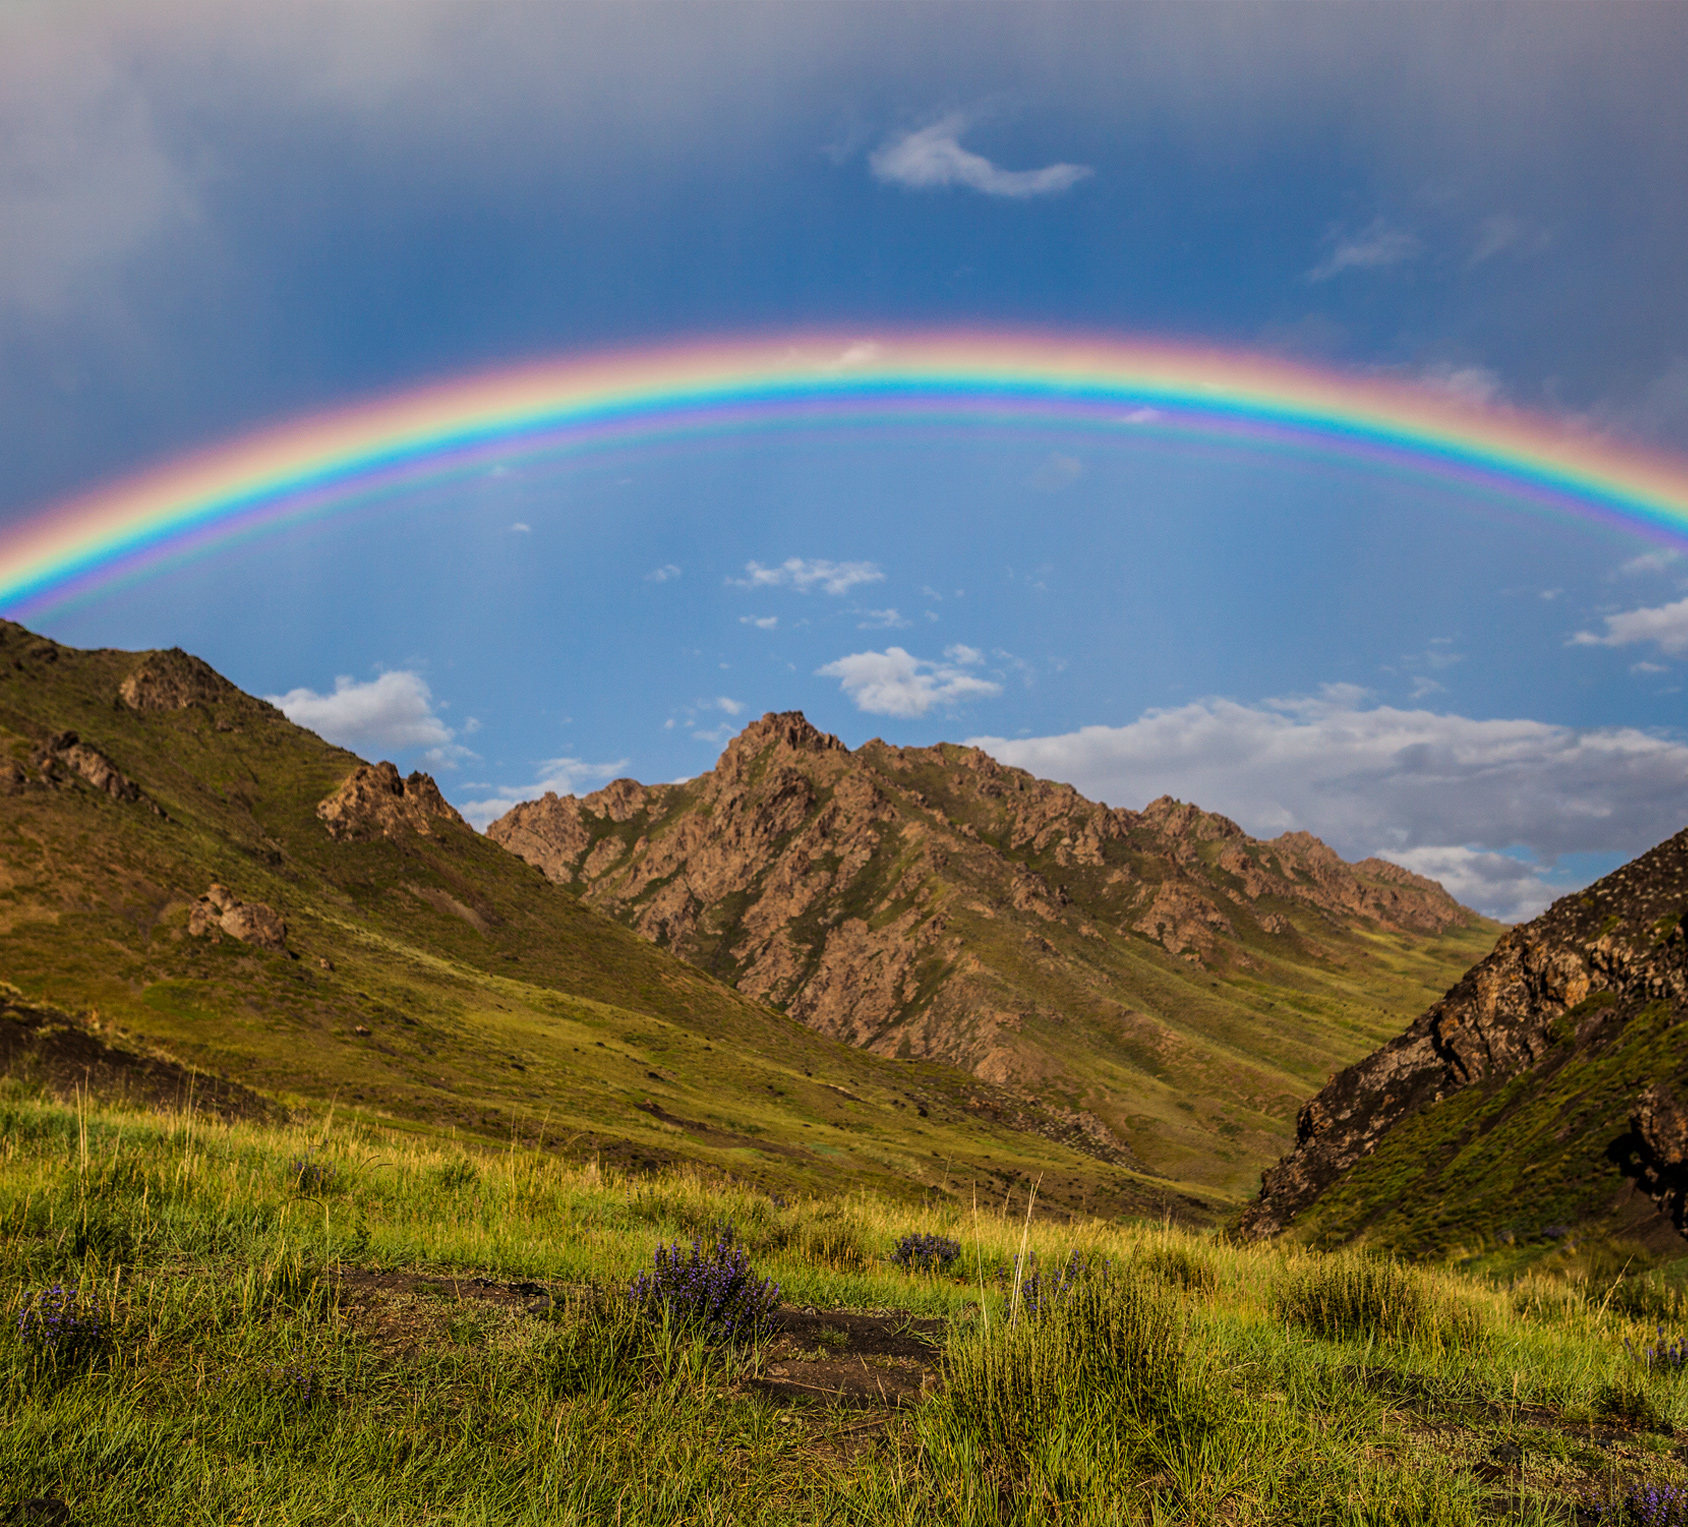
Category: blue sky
<point>214,216</point>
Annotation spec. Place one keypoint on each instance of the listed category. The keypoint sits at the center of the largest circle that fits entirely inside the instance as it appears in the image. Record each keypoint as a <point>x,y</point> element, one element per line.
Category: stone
<point>375,801</point>
<point>174,680</point>
<point>220,911</point>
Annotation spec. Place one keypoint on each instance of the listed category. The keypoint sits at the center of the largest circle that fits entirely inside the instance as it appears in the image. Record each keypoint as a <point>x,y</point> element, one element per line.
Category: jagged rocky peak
<point>376,801</point>
<point>1558,991</point>
<point>787,729</point>
<point>174,680</point>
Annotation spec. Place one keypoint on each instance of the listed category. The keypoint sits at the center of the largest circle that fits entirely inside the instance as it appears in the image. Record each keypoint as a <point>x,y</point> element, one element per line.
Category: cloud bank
<point>932,157</point>
<point>390,714</point>
<point>1412,785</point>
<point>1665,624</point>
<point>895,683</point>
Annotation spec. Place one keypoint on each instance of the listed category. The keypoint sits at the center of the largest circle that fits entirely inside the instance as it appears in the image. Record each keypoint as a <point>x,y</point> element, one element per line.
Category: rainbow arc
<point>990,378</point>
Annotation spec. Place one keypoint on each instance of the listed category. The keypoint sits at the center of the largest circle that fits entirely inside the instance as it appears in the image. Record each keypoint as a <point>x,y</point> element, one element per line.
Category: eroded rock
<point>377,802</point>
<point>174,680</point>
<point>220,911</point>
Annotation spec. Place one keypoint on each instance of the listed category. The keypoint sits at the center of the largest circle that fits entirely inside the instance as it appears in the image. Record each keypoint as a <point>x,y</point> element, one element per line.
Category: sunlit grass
<point>1186,1378</point>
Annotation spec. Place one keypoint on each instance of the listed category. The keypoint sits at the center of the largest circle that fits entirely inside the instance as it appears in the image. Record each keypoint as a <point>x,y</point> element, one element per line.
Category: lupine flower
<point>58,1323</point>
<point>1666,1357</point>
<point>295,1383</point>
<point>309,1176</point>
<point>926,1253</point>
<point>712,1291</point>
<point>1650,1506</point>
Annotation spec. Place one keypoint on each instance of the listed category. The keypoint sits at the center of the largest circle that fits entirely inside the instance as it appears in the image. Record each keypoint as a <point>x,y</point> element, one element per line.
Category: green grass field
<point>332,1322</point>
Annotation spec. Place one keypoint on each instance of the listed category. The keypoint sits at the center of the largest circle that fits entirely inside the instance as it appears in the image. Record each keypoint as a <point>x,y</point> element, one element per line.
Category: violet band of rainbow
<point>994,379</point>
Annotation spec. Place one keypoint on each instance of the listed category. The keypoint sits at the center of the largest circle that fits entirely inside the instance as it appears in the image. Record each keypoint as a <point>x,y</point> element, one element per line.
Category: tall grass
<point>244,1373</point>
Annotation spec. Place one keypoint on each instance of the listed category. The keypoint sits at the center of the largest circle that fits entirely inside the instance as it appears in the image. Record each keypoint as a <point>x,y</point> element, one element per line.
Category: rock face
<point>935,903</point>
<point>1558,997</point>
<point>64,757</point>
<point>174,680</point>
<point>220,910</point>
<point>377,802</point>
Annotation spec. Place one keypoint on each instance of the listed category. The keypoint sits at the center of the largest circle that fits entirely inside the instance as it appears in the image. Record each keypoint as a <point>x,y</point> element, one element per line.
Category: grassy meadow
<point>329,1322</point>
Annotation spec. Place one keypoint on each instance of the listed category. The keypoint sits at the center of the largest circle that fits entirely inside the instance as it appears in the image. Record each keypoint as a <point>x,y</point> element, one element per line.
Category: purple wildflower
<point>59,1323</point>
<point>926,1253</point>
<point>713,1290</point>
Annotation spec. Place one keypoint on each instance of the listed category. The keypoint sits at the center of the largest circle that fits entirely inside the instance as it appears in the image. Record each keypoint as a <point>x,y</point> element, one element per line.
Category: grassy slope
<point>522,1011</point>
<point>1513,1160</point>
<point>270,1361</point>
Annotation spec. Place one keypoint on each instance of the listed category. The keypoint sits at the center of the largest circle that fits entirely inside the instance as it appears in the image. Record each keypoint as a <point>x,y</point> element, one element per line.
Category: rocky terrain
<point>1174,984</point>
<point>1544,1092</point>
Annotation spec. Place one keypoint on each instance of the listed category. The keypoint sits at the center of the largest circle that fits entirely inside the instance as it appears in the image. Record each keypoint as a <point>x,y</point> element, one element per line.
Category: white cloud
<point>1382,779</point>
<point>662,574</point>
<point>932,157</point>
<point>804,574</point>
<point>1656,561</point>
<point>959,652</point>
<point>561,776</point>
<point>1462,384</point>
<point>1375,247</point>
<point>521,527</point>
<point>390,714</point>
<point>1648,668</point>
<point>894,683</point>
<point>851,356</point>
<point>1665,624</point>
<point>881,620</point>
<point>1141,416</point>
<point>761,622</point>
<point>730,707</point>
<point>1500,885</point>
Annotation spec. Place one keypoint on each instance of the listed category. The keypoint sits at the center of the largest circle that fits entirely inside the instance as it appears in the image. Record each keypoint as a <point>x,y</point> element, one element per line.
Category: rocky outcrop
<point>933,902</point>
<point>1575,976</point>
<point>220,911</point>
<point>1660,1123</point>
<point>64,757</point>
<point>174,680</point>
<point>377,802</point>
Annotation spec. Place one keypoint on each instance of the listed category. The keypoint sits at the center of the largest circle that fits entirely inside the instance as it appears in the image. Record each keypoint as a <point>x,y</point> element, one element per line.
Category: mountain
<point>1547,1091</point>
<point>198,897</point>
<point>1173,985</point>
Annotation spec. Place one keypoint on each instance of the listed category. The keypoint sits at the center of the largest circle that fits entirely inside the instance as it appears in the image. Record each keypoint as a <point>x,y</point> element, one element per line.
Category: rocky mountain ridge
<point>933,902</point>
<point>1558,1058</point>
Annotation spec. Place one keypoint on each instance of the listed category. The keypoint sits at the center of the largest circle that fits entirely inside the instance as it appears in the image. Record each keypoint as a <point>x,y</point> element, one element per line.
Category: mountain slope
<point>1176,985</point>
<point>1548,1089</point>
<point>183,869</point>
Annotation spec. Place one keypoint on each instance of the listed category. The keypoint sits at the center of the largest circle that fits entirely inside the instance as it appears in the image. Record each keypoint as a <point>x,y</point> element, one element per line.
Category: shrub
<point>1179,1267</point>
<point>1342,1297</point>
<point>1108,1354</point>
<point>831,1242</point>
<point>1629,1404</point>
<point>926,1253</point>
<point>456,1174</point>
<point>59,1324</point>
<point>713,1292</point>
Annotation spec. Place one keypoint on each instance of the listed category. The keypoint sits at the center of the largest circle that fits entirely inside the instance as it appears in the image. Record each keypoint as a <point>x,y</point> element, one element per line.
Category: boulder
<point>377,802</point>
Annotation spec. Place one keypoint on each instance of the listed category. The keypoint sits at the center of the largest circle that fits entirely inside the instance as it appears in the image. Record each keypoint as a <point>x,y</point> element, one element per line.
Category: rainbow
<point>980,378</point>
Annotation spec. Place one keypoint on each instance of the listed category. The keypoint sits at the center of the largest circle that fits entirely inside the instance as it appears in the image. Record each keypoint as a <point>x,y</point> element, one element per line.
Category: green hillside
<point>429,977</point>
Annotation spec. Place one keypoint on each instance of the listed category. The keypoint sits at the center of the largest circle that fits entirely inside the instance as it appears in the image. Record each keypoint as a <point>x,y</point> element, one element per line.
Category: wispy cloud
<point>1377,246</point>
<point>662,574</point>
<point>805,573</point>
<point>521,527</point>
<point>1659,560</point>
<point>1666,625</point>
<point>1462,384</point>
<point>390,714</point>
<point>555,776</point>
<point>881,620</point>
<point>761,622</point>
<point>1391,781</point>
<point>932,157</point>
<point>895,683</point>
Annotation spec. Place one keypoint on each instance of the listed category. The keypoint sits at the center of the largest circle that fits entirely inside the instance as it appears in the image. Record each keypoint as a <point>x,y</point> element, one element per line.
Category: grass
<point>290,1347</point>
